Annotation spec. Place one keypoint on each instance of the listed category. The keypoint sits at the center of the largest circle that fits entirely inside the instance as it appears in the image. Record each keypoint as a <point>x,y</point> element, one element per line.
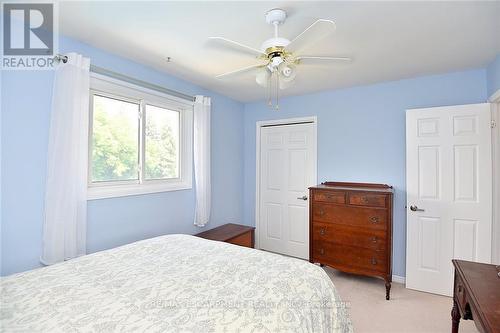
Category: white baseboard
<point>398,279</point>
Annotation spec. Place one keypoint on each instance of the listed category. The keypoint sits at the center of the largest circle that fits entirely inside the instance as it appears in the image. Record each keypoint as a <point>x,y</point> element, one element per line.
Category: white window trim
<point>127,91</point>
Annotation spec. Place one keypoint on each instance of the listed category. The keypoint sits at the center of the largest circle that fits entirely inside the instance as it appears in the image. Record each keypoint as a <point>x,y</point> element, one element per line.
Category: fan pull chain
<point>269,91</point>
<point>270,96</point>
<point>277,106</point>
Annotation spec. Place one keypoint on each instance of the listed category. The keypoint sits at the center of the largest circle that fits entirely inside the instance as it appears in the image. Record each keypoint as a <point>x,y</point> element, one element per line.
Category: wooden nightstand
<point>231,233</point>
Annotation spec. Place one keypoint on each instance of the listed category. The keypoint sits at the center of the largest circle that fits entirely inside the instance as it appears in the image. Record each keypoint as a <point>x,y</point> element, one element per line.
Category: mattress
<point>174,283</point>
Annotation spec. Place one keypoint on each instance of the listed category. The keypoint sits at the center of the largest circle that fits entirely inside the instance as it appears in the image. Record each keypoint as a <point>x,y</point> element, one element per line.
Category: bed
<point>174,283</point>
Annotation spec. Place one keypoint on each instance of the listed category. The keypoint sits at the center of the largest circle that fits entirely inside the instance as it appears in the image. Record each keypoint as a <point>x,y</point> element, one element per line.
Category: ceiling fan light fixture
<point>262,77</point>
<point>287,72</point>
<point>277,61</point>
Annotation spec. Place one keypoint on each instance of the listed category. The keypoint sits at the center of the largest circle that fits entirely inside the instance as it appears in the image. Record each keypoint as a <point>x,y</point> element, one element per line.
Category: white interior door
<point>449,192</point>
<point>287,169</point>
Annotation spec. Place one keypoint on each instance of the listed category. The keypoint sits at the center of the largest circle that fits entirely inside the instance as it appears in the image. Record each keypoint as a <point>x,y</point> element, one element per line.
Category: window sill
<point>122,190</point>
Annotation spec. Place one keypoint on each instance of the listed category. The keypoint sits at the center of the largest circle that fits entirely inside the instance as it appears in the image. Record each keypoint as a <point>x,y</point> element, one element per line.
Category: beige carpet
<point>407,311</point>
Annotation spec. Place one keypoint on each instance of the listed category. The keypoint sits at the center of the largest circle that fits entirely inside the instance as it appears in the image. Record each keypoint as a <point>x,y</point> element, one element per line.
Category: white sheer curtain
<point>202,160</point>
<point>64,228</point>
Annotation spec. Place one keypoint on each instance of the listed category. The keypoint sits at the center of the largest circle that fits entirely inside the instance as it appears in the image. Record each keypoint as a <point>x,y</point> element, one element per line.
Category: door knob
<point>414,208</point>
<point>302,197</point>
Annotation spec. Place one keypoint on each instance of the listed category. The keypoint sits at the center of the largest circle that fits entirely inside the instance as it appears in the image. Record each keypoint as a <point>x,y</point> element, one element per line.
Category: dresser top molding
<point>365,187</point>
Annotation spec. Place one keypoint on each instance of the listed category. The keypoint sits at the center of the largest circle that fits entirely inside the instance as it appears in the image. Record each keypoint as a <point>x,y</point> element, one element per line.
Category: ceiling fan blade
<point>241,47</point>
<point>319,59</point>
<point>315,32</point>
<point>239,71</point>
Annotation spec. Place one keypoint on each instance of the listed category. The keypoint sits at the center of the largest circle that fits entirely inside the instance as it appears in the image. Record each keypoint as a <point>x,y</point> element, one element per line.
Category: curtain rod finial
<point>61,58</point>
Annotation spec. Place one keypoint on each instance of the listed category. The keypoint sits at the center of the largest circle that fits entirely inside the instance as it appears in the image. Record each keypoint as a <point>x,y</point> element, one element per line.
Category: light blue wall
<point>26,98</point>
<point>361,134</point>
<point>493,76</point>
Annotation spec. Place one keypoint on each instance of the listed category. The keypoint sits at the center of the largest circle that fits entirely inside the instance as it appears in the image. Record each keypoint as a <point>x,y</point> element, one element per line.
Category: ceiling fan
<point>280,56</point>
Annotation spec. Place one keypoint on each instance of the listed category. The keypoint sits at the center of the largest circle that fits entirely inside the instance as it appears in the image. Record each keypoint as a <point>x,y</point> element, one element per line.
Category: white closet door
<point>287,169</point>
<point>449,192</point>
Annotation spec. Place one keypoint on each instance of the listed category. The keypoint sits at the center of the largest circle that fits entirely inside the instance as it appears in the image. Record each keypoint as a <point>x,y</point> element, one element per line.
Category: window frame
<point>112,88</point>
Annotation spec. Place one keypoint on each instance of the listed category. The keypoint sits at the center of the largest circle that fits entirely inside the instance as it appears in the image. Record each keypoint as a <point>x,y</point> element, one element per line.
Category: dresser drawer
<point>349,256</point>
<point>367,199</point>
<point>355,216</point>
<point>329,196</point>
<point>347,235</point>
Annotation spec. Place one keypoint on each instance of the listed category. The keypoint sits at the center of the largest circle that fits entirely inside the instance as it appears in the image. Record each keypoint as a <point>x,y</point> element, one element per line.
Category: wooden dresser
<point>351,228</point>
<point>231,233</point>
<point>476,295</point>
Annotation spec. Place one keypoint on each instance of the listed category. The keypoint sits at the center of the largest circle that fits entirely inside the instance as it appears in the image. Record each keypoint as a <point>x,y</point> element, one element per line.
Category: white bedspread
<point>174,283</point>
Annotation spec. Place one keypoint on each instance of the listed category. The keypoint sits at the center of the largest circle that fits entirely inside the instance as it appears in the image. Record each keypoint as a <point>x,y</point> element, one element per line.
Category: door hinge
<point>493,124</point>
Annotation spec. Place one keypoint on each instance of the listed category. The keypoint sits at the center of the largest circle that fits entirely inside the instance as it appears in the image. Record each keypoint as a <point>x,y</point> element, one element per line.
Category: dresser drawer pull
<point>321,251</point>
<point>374,261</point>
<point>374,219</point>
<point>374,239</point>
<point>321,212</point>
<point>322,231</point>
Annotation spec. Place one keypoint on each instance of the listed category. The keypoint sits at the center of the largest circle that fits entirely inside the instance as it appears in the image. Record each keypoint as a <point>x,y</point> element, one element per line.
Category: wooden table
<point>476,296</point>
<point>231,233</point>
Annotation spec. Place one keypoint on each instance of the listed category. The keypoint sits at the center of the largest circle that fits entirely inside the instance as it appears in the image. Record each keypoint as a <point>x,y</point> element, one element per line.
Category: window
<point>115,139</point>
<point>162,143</point>
<point>140,141</point>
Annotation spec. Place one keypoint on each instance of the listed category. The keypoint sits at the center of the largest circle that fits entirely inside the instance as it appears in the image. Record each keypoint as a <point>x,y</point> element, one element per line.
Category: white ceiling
<point>387,40</point>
